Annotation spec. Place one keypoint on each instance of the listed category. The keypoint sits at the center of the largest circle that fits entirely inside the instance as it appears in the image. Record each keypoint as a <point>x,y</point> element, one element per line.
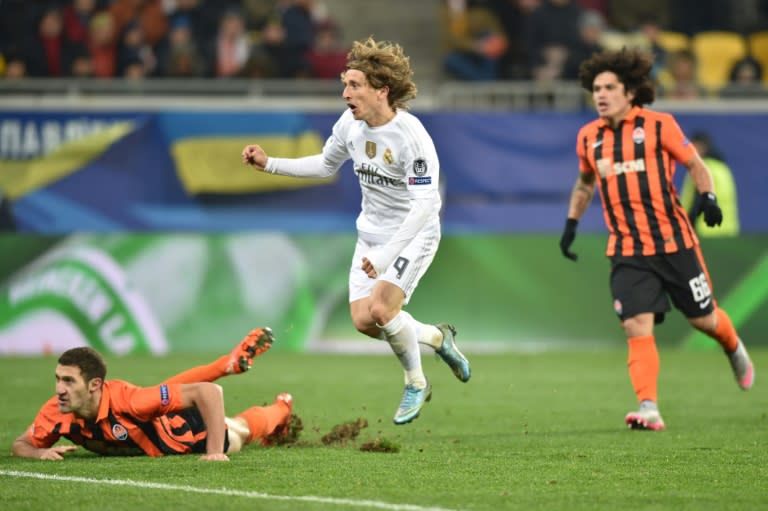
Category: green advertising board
<point>155,293</point>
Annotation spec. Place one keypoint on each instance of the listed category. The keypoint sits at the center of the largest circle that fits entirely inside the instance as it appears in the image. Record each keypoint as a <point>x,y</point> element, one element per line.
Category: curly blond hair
<point>385,65</point>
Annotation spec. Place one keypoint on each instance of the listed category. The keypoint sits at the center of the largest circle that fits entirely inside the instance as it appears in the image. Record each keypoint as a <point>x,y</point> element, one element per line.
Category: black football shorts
<point>646,284</point>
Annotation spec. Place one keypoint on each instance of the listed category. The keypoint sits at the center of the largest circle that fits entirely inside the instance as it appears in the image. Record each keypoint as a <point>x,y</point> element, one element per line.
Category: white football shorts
<point>405,271</point>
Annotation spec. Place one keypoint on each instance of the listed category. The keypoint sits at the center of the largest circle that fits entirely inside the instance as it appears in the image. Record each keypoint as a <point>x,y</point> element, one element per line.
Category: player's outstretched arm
<point>255,156</point>
<point>23,448</point>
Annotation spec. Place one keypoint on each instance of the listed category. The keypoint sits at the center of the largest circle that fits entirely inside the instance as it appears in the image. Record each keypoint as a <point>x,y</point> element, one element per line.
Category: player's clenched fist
<point>254,155</point>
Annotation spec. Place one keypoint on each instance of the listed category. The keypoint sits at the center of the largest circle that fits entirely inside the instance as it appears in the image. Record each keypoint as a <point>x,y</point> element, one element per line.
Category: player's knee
<point>706,324</point>
<point>382,313</point>
<point>363,323</point>
<point>638,325</point>
<point>237,434</point>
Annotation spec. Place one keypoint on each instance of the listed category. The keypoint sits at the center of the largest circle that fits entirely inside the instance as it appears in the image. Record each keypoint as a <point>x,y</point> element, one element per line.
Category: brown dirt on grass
<point>345,432</point>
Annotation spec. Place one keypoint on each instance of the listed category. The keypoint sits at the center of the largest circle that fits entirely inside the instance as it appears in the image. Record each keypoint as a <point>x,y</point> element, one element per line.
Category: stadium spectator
<point>724,185</point>
<point>678,79</point>
<point>259,12</point>
<point>591,29</point>
<point>133,69</point>
<point>77,19</point>
<point>628,15</point>
<point>101,45</point>
<point>745,80</point>
<point>290,36</point>
<point>327,57</point>
<point>179,55</point>
<point>649,30</point>
<point>82,63</point>
<point>553,28</point>
<point>15,67</point>
<point>202,18</point>
<point>399,225</point>
<point>232,46</point>
<point>133,49</point>
<point>182,415</point>
<point>630,152</point>
<point>48,53</point>
<point>148,13</point>
<point>513,16</point>
<point>474,41</point>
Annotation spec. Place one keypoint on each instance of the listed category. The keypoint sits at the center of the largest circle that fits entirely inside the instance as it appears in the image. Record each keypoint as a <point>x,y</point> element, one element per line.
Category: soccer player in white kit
<point>399,225</point>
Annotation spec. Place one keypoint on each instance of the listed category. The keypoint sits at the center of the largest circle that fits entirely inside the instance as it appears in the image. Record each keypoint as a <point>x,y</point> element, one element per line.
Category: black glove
<point>566,240</point>
<point>707,203</point>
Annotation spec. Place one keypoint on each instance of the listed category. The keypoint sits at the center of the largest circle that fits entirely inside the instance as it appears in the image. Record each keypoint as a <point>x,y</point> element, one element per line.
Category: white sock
<point>401,335</point>
<point>426,334</point>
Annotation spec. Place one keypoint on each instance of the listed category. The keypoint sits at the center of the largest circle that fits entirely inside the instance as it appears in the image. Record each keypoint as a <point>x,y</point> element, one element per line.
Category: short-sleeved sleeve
<point>145,403</point>
<point>674,140</point>
<point>45,429</point>
<point>581,151</point>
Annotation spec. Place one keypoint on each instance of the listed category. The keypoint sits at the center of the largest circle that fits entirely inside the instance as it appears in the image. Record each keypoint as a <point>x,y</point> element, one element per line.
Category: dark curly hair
<point>631,66</point>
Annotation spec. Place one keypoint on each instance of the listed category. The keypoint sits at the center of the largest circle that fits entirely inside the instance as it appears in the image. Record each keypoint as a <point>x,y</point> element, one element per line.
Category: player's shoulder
<point>50,413</point>
<point>590,128</point>
<point>345,120</point>
<point>406,118</point>
<point>346,116</point>
<point>51,406</point>
<point>118,387</point>
<point>655,115</point>
<point>410,128</point>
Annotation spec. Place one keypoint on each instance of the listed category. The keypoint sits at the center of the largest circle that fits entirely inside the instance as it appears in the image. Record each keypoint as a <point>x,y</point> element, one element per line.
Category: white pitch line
<point>221,491</point>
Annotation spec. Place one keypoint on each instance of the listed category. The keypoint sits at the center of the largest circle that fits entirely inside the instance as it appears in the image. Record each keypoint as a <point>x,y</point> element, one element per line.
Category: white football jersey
<point>394,163</point>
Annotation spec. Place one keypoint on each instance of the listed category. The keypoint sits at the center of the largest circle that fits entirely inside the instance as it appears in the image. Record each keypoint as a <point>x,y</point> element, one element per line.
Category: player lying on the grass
<point>184,414</point>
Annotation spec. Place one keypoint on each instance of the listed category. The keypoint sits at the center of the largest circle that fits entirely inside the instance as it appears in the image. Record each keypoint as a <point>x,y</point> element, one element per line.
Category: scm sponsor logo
<point>606,168</point>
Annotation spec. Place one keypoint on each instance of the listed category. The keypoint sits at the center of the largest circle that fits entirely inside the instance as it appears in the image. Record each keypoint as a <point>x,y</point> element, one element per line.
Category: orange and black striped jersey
<point>131,420</point>
<point>634,165</point>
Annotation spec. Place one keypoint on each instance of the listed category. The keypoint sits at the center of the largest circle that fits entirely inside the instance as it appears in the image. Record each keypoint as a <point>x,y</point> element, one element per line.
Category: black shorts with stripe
<point>642,284</point>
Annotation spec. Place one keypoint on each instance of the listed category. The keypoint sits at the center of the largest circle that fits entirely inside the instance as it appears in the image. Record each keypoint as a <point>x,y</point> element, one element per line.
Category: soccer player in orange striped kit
<point>182,415</point>
<point>630,153</point>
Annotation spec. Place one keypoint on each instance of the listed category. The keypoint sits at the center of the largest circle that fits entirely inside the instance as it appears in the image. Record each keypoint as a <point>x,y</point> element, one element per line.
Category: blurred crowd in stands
<point>169,38</point>
<point>702,48</point>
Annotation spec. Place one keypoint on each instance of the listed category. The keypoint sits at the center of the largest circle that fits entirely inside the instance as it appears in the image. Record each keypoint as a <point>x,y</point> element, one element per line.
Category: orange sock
<point>208,372</point>
<point>643,365</point>
<point>262,420</point>
<point>725,334</point>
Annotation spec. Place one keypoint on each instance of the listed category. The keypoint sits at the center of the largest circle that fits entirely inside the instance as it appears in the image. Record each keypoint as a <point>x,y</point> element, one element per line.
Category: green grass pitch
<point>529,431</point>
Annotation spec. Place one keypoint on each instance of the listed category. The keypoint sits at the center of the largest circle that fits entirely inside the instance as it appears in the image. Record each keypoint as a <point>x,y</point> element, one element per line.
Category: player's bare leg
<point>271,425</point>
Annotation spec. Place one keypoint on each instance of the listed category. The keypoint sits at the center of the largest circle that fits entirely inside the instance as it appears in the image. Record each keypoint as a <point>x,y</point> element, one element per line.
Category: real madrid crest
<point>370,149</point>
<point>388,159</point>
<point>638,135</point>
<point>420,166</point>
